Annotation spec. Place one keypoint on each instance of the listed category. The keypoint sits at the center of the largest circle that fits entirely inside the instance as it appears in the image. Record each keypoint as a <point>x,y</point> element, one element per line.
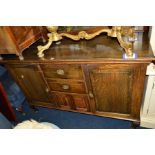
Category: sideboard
<point>90,77</point>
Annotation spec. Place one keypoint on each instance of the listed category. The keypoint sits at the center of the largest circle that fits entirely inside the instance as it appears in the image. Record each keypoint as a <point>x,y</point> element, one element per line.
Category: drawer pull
<point>65,87</point>
<point>91,95</point>
<point>22,76</point>
<point>60,72</point>
<point>47,90</point>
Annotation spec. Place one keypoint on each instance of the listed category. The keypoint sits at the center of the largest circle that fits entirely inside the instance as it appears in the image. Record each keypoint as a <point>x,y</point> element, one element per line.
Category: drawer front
<point>62,71</point>
<point>67,86</point>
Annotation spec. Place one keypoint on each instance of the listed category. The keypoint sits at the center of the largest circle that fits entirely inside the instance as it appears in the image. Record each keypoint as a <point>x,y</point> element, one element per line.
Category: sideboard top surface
<point>101,48</point>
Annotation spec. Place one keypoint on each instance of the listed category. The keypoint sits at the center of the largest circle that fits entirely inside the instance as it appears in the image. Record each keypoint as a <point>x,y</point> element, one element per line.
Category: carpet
<point>71,120</point>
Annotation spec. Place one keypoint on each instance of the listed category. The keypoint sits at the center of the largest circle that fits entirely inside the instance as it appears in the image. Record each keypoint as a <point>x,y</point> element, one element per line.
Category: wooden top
<point>101,48</point>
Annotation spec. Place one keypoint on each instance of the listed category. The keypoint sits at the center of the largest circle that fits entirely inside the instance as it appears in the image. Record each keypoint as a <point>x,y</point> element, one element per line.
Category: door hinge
<point>153,86</point>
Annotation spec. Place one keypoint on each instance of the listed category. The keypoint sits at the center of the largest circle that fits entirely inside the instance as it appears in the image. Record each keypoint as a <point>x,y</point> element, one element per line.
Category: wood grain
<point>14,39</point>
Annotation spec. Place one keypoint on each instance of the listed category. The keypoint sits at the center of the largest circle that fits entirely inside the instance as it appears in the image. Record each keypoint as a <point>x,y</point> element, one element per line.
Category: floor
<point>71,120</point>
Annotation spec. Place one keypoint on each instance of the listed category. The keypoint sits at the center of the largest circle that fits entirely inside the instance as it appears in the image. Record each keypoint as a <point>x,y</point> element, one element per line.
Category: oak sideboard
<point>89,77</point>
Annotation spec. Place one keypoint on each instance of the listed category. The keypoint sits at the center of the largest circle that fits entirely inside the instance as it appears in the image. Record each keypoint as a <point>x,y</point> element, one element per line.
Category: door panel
<point>31,82</point>
<point>112,88</point>
<point>62,100</point>
<point>71,101</point>
<point>118,89</point>
<point>81,102</point>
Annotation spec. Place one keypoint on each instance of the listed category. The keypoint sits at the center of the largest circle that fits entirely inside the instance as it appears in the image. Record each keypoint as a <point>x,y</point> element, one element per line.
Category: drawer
<point>67,86</point>
<point>63,71</point>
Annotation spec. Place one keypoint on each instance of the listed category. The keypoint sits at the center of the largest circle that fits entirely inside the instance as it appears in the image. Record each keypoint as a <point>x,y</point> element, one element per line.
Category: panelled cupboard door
<point>31,81</point>
<point>117,89</point>
<point>68,101</point>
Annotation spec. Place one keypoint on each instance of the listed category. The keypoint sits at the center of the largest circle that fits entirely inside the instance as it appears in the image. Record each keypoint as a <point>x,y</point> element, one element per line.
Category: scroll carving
<point>115,31</point>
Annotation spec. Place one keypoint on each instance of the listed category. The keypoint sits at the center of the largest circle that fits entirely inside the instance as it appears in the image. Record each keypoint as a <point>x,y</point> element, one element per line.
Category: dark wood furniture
<point>14,39</point>
<point>85,76</point>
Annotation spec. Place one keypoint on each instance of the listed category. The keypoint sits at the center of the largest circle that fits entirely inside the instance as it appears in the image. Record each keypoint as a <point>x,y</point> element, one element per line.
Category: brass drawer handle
<point>60,72</point>
<point>91,94</point>
<point>65,87</point>
<point>22,76</point>
<point>47,90</point>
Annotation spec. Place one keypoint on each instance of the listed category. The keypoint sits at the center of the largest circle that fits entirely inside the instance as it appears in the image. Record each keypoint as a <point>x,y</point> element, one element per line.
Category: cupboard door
<point>31,82</point>
<point>116,89</point>
<point>81,103</point>
<point>70,101</point>
<point>63,100</point>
